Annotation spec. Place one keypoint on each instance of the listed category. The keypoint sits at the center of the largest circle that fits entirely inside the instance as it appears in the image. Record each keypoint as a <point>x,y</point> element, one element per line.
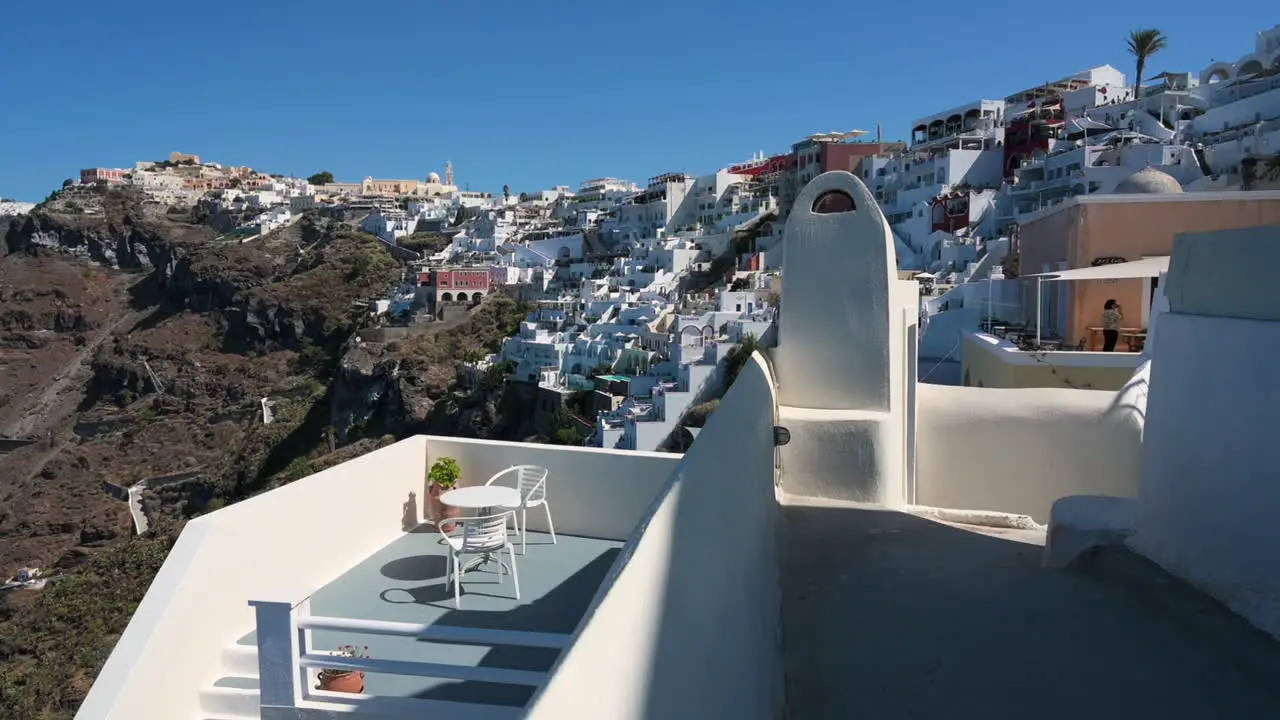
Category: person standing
<point>1111,319</point>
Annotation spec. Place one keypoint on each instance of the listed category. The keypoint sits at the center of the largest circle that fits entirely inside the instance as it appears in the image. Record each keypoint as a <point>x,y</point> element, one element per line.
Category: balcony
<point>493,652</point>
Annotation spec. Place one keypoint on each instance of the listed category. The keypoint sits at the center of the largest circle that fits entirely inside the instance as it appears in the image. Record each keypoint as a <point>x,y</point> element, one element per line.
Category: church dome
<point>1148,181</point>
<point>433,177</point>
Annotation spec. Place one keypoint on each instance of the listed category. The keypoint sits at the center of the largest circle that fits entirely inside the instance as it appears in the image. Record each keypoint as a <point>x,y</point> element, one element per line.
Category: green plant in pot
<point>348,681</point>
<point>442,477</point>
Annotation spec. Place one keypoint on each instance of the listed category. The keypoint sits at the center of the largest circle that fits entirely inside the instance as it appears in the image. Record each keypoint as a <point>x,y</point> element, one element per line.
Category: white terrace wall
<point>1210,492</point>
<point>592,492</point>
<point>284,543</point>
<point>290,541</point>
<point>1019,450</point>
<point>687,624</point>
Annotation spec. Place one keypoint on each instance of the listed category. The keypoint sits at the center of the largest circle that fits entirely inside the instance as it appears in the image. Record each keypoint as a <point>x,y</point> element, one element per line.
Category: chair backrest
<point>482,534</point>
<point>532,482</point>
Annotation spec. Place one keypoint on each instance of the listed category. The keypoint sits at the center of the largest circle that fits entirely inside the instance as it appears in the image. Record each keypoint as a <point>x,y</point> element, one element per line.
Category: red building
<point>768,166</point>
<point>110,176</point>
<point>950,210</point>
<point>849,155</point>
<point>1027,136</point>
<point>456,285</point>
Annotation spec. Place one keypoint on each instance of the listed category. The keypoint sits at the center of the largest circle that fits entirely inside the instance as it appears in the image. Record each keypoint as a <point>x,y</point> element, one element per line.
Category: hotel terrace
<point>1075,256</point>
<point>840,541</point>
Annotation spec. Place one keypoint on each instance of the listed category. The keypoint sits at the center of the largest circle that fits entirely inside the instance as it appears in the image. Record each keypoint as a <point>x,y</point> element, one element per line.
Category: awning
<point>1147,267</point>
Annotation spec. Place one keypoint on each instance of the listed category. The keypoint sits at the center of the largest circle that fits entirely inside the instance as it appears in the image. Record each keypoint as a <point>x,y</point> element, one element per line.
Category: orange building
<point>1139,220</point>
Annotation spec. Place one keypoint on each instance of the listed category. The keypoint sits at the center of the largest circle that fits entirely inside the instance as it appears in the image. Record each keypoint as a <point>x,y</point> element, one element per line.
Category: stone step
<point>235,703</point>
<point>240,660</point>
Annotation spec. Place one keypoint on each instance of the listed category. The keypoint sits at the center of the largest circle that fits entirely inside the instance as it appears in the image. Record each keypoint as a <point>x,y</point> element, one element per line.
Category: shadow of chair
<point>558,611</point>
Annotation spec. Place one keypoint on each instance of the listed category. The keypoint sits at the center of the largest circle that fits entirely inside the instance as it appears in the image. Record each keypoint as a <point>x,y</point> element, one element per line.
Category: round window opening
<point>833,202</point>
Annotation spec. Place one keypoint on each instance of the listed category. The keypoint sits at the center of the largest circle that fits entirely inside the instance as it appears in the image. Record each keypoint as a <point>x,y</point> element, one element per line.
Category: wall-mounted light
<point>781,436</point>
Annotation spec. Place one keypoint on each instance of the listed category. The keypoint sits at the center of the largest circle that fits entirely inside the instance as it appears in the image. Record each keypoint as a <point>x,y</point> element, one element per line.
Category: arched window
<point>833,202</point>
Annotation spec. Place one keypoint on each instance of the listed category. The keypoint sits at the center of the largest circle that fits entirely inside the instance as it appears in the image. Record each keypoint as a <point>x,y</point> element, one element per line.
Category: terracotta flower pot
<point>344,682</point>
<point>439,510</point>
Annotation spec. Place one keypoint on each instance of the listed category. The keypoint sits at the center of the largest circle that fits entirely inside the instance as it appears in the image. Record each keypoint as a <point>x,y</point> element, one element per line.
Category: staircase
<point>235,695</point>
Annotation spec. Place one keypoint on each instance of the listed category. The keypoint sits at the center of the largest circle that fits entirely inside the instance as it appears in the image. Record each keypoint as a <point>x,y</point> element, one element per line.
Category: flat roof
<point>405,582</point>
<point>1118,199</point>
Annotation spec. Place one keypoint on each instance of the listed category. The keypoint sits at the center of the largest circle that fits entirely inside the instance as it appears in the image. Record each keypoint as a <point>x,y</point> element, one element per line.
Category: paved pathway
<point>888,615</point>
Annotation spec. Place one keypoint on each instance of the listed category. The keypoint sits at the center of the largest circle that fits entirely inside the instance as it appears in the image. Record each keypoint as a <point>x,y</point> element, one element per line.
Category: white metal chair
<point>531,482</point>
<point>484,536</point>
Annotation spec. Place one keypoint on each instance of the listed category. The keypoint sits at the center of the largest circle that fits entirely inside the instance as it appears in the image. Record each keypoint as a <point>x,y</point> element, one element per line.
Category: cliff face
<point>117,244</point>
<point>296,290</point>
<point>136,344</point>
<point>418,384</point>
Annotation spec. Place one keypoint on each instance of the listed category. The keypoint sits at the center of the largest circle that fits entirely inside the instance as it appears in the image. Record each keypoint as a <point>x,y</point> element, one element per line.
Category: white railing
<point>289,662</point>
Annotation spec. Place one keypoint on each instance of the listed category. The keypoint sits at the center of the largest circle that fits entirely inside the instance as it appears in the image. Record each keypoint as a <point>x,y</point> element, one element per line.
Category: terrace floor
<point>405,582</point>
<point>899,616</point>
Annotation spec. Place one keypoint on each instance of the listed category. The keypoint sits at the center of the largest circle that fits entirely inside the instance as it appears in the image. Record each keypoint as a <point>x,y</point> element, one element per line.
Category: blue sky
<point>523,92</point>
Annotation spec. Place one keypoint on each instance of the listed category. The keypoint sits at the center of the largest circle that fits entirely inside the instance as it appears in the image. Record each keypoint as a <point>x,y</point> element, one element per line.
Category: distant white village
<point>643,289</point>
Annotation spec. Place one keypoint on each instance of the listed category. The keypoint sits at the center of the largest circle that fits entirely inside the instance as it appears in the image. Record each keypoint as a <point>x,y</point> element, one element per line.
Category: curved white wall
<point>1209,507</point>
<point>834,343</point>
<point>687,624</point>
<point>1019,450</point>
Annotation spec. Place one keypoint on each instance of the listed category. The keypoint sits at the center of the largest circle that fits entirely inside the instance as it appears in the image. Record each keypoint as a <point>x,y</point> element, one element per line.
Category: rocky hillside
<point>135,344</point>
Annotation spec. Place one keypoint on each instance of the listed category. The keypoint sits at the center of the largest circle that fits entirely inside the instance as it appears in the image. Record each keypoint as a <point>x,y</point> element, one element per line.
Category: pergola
<point>1147,267</point>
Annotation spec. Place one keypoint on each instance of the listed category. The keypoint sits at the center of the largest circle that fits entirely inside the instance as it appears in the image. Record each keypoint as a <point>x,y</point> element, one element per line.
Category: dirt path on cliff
<point>60,398</point>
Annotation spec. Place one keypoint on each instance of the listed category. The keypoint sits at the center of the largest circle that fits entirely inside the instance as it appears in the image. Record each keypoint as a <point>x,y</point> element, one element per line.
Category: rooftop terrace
<point>404,582</point>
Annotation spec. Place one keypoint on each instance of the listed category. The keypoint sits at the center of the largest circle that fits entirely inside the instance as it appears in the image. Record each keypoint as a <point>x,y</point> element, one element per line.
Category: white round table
<point>485,499</point>
<point>481,500</point>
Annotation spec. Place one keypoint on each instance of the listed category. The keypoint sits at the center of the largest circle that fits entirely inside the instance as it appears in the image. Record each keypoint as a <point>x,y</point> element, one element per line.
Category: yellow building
<point>431,187</point>
<point>371,186</point>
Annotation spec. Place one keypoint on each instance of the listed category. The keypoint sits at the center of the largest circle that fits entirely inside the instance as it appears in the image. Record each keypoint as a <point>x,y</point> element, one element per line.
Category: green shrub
<point>445,472</point>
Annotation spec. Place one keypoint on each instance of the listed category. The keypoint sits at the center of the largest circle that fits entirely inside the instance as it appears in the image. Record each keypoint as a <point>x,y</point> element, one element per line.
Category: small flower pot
<point>343,682</point>
<point>440,512</point>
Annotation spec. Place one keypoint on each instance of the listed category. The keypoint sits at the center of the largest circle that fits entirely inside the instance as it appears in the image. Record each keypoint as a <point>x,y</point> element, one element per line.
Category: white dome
<point>433,177</point>
<point>1148,181</point>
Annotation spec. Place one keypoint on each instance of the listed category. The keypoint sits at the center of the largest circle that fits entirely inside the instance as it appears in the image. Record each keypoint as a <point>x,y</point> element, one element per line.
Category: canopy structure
<point>1147,267</point>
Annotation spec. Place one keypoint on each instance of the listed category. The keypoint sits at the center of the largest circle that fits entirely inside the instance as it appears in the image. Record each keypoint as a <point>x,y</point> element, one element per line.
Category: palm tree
<point>1142,45</point>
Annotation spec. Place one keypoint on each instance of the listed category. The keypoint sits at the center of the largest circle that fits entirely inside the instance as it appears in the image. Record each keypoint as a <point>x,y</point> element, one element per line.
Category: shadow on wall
<point>956,624</point>
<point>725,533</point>
<point>687,625</point>
<point>409,517</point>
<point>1130,403</point>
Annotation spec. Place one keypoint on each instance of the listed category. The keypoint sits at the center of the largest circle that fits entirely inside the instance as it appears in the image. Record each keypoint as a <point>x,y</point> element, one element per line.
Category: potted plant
<point>442,478</point>
<point>346,681</point>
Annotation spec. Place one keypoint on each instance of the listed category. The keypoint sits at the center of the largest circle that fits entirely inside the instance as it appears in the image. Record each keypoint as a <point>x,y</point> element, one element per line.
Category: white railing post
<point>278,651</point>
<point>304,646</point>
